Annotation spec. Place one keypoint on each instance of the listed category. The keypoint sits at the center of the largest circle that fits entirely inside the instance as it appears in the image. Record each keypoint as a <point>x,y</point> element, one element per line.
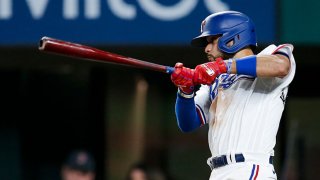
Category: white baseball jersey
<point>243,112</point>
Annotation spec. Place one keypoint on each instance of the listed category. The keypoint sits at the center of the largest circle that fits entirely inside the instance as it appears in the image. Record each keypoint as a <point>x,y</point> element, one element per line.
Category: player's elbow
<point>282,69</point>
<point>186,128</point>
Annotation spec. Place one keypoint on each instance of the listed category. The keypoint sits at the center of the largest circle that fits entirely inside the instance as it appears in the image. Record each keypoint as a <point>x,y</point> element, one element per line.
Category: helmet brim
<point>199,41</point>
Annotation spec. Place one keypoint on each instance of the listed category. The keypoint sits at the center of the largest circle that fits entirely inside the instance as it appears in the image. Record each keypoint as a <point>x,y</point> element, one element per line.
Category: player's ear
<point>230,43</point>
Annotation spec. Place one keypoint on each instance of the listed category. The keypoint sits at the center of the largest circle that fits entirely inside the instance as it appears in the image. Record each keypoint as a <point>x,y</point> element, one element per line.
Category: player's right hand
<point>206,73</point>
<point>182,77</point>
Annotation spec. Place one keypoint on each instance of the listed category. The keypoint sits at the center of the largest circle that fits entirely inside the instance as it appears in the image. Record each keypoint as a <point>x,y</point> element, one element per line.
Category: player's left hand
<point>206,73</point>
<point>182,77</point>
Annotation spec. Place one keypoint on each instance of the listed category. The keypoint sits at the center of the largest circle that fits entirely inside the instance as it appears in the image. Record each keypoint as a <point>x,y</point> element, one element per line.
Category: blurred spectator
<point>141,171</point>
<point>79,165</point>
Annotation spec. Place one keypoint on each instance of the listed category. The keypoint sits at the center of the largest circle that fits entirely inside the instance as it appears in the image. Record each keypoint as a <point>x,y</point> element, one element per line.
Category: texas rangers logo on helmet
<point>202,25</point>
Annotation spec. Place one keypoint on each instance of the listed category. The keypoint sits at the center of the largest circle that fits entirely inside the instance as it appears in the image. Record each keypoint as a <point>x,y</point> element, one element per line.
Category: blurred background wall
<point>50,105</point>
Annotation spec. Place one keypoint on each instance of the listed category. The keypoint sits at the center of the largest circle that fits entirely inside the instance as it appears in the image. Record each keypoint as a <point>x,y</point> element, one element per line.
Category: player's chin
<point>215,58</point>
<point>211,58</point>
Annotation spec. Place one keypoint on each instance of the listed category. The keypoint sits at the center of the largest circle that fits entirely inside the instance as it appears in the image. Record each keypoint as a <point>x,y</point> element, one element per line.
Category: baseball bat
<point>75,50</point>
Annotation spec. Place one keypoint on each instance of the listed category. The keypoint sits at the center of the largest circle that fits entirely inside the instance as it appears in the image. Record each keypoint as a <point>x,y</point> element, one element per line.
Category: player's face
<point>212,49</point>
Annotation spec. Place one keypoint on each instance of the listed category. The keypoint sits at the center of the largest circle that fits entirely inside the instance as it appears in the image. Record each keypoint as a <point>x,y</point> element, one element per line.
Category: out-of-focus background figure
<point>141,171</point>
<point>138,171</point>
<point>79,165</point>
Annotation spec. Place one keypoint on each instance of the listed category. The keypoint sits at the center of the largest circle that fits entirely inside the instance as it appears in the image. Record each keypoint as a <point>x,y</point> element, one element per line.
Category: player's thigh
<point>244,171</point>
<point>265,172</point>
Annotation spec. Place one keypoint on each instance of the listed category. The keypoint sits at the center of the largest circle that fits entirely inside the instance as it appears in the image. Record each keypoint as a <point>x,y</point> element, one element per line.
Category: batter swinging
<point>241,98</point>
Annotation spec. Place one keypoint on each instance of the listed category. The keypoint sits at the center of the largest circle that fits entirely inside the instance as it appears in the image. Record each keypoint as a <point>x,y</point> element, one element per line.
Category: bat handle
<point>169,70</point>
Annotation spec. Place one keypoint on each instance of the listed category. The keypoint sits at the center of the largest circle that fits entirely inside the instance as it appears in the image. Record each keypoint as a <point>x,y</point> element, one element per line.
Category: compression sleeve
<point>187,117</point>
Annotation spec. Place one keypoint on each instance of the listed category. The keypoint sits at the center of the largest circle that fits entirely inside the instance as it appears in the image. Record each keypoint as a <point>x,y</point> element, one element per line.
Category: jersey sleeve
<point>203,102</point>
<point>286,49</point>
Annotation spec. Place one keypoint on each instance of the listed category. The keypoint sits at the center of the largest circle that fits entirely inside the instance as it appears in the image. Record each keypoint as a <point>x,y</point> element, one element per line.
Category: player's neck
<point>243,53</point>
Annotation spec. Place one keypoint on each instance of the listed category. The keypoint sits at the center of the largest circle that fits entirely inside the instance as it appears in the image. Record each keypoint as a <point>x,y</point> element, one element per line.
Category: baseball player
<point>241,97</point>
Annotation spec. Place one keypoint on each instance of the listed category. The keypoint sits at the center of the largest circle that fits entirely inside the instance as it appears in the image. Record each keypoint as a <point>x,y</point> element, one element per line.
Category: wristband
<point>188,96</point>
<point>229,63</point>
<point>247,65</point>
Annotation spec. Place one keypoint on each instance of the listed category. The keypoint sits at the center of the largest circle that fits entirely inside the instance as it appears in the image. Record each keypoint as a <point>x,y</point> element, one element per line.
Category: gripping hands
<point>186,78</point>
<point>183,78</point>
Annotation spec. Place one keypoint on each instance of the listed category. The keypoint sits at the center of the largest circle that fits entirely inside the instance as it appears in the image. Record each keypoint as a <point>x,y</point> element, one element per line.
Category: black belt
<point>222,160</point>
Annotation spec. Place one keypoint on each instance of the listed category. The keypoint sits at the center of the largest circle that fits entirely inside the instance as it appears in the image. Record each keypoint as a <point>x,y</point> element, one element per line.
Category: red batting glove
<point>182,77</point>
<point>206,73</point>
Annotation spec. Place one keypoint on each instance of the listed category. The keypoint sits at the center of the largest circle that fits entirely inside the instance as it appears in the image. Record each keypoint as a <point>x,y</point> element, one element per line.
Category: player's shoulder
<point>271,49</point>
<point>284,46</point>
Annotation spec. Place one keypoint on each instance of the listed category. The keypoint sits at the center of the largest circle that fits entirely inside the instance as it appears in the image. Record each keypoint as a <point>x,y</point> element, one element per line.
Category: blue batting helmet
<point>231,25</point>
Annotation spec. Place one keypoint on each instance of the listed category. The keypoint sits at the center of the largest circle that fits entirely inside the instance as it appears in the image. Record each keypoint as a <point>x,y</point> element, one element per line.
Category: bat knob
<point>169,70</point>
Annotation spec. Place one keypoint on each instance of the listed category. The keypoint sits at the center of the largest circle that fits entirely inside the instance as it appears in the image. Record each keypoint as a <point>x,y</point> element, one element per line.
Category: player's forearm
<point>265,66</point>
<point>187,117</point>
<point>272,66</point>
